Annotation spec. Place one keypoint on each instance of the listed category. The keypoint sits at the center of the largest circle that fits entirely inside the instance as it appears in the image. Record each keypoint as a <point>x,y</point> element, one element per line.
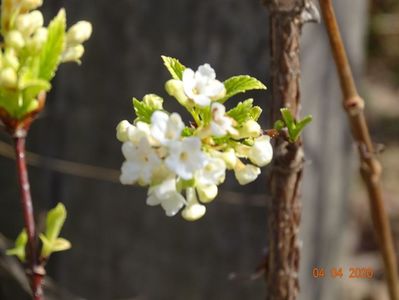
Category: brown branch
<point>286,19</point>
<point>370,167</point>
<point>35,271</point>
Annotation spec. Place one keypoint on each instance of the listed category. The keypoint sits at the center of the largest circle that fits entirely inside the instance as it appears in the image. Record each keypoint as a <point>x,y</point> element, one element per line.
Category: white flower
<point>165,128</point>
<point>246,173</point>
<point>39,38</point>
<point>193,210</point>
<point>202,86</point>
<point>261,153</point>
<point>166,195</point>
<point>221,124</point>
<point>141,161</point>
<point>186,157</point>
<point>228,156</point>
<point>79,33</point>
<point>213,172</point>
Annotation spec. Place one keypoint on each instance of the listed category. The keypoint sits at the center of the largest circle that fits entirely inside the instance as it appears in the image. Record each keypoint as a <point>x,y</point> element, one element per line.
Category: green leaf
<point>187,131</point>
<point>52,50</point>
<point>20,245</point>
<point>245,111</point>
<point>174,67</point>
<point>143,110</point>
<point>54,222</point>
<point>294,128</point>
<point>241,84</point>
<point>61,245</point>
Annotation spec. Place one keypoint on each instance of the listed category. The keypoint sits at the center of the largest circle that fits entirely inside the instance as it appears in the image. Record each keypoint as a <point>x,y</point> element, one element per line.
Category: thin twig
<point>35,271</point>
<point>369,166</point>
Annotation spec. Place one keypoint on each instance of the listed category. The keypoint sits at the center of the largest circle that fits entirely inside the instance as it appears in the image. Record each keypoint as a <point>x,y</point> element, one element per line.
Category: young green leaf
<point>174,67</point>
<point>20,245</point>
<point>294,128</point>
<point>144,109</point>
<point>52,50</point>
<point>245,111</point>
<point>54,222</point>
<point>241,84</point>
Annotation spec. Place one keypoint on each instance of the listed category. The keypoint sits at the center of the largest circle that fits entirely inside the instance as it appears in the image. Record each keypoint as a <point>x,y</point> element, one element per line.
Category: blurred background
<point>124,250</point>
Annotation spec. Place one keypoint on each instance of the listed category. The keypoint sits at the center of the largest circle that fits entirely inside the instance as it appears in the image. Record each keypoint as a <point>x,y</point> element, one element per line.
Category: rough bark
<point>282,277</point>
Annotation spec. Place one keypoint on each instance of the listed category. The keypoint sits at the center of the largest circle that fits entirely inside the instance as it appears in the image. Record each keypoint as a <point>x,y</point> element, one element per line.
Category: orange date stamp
<point>342,273</point>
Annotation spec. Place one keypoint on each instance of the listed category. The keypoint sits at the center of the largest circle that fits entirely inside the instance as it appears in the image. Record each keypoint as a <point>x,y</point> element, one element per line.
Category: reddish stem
<point>35,270</point>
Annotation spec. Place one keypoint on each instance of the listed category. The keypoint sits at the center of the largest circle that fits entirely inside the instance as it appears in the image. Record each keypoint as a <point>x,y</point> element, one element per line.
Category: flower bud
<point>73,54</point>
<point>261,153</point>
<point>8,78</point>
<point>154,101</point>
<point>36,43</point>
<point>27,24</point>
<point>122,131</point>
<point>31,4</point>
<point>229,158</point>
<point>175,89</point>
<point>15,39</point>
<point>79,33</point>
<point>250,128</point>
<point>246,173</point>
<point>10,59</point>
<point>207,193</point>
<point>194,212</point>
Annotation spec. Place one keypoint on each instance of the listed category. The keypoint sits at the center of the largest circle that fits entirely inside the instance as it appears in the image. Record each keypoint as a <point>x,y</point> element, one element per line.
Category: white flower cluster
<point>184,165</point>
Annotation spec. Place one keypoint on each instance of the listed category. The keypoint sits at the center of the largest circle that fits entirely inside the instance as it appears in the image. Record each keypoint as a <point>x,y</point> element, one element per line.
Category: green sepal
<point>240,84</point>
<point>20,246</point>
<point>174,66</point>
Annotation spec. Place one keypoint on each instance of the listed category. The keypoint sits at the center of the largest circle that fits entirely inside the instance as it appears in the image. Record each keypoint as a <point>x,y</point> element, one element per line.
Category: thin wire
<point>112,175</point>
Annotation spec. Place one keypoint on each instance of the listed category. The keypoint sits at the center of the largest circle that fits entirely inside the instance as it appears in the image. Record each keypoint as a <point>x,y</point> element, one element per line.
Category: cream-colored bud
<point>15,39</point>
<point>31,4</point>
<point>250,128</point>
<point>122,131</point>
<point>10,59</point>
<point>27,24</point>
<point>73,54</point>
<point>207,193</point>
<point>246,173</point>
<point>193,212</point>
<point>8,78</point>
<point>230,158</point>
<point>36,43</point>
<point>153,101</point>
<point>175,89</point>
<point>261,153</point>
<point>79,33</point>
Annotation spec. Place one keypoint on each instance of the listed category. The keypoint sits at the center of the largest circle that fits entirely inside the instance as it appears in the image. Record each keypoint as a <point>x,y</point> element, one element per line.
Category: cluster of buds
<point>31,53</point>
<point>184,165</point>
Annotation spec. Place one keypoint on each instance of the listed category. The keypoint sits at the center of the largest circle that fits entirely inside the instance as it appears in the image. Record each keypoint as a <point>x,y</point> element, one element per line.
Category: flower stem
<point>35,270</point>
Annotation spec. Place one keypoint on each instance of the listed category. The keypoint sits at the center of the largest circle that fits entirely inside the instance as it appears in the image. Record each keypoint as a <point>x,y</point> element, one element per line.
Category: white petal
<point>159,121</point>
<point>201,100</point>
<point>261,153</point>
<point>173,204</point>
<point>130,173</point>
<point>129,151</point>
<point>207,193</point>
<point>206,71</point>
